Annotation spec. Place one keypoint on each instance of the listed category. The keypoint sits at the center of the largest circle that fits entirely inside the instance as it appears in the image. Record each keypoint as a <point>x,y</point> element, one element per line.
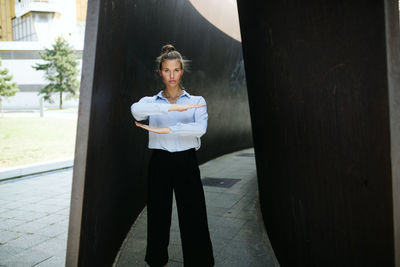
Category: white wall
<point>23,71</point>
<point>17,60</point>
<point>31,101</point>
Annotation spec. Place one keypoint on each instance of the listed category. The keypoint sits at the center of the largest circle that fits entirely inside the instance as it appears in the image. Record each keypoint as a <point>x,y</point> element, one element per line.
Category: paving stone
<point>209,195</point>
<point>175,238</point>
<point>218,244</point>
<point>52,262</point>
<point>35,198</point>
<point>64,211</point>
<point>233,260</point>
<point>140,232</point>
<point>61,202</point>
<point>231,214</point>
<point>213,220</point>
<point>27,241</point>
<point>232,222</point>
<point>175,252</point>
<point>63,236</point>
<point>12,213</point>
<point>218,211</point>
<point>51,219</point>
<point>240,213</point>
<point>31,199</point>
<point>10,224</point>
<point>45,208</point>
<point>226,232</point>
<point>53,230</point>
<point>249,232</point>
<point>254,252</point>
<point>135,253</point>
<point>8,251</point>
<point>52,246</point>
<point>29,257</point>
<point>2,209</point>
<point>6,236</point>
<point>63,223</point>
<point>173,263</point>
<point>30,227</point>
<point>225,200</point>
<point>27,215</point>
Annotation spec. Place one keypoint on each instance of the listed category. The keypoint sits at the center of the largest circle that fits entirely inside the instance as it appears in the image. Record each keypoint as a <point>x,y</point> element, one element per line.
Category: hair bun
<point>167,48</point>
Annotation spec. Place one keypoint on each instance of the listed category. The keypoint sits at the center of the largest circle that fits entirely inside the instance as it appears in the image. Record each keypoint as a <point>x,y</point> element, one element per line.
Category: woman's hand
<point>154,129</point>
<point>179,107</point>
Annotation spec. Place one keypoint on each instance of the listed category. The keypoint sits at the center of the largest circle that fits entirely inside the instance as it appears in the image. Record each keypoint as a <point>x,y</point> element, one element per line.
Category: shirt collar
<point>159,95</point>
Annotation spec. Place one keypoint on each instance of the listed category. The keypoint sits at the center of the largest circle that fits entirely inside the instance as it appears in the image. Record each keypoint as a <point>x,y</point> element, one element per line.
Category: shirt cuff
<point>164,108</point>
<point>173,129</point>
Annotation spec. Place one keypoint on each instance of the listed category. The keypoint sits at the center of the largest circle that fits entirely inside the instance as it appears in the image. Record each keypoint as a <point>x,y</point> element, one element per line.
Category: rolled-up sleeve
<point>196,128</point>
<point>147,106</point>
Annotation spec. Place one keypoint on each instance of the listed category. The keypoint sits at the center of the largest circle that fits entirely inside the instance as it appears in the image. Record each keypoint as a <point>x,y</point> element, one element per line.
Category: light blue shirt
<point>186,126</point>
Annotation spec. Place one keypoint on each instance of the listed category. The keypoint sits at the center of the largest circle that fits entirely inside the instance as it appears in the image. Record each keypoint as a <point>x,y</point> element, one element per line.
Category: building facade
<point>27,27</point>
<point>18,58</point>
<point>7,12</point>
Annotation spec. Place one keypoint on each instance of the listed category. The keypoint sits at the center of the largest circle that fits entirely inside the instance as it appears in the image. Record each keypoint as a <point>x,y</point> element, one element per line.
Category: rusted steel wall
<point>323,82</point>
<point>123,38</point>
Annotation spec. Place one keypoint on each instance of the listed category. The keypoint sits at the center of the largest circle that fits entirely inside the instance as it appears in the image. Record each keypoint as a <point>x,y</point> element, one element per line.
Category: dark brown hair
<point>168,51</point>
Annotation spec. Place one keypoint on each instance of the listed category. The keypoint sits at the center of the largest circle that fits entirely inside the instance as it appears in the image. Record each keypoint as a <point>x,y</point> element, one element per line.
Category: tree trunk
<point>61,100</point>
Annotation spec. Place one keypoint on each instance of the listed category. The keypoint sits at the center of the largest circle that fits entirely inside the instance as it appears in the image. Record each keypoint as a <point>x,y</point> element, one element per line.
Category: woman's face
<point>171,72</point>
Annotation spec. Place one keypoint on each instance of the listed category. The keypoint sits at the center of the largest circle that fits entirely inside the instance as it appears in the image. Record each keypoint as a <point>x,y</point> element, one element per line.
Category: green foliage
<point>60,70</point>
<point>7,86</point>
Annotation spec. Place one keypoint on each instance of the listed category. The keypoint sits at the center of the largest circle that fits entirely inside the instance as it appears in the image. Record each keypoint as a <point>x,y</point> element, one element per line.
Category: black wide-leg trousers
<point>178,172</point>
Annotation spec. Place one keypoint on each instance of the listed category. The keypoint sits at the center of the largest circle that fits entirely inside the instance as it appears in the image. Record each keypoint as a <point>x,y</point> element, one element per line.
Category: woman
<point>177,120</point>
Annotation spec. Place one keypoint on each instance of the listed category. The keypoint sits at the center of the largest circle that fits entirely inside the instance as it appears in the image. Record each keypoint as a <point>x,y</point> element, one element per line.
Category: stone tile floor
<point>34,217</point>
<point>235,224</point>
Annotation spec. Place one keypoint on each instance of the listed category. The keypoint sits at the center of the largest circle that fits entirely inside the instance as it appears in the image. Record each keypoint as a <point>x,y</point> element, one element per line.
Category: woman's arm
<point>146,106</point>
<point>154,129</point>
<point>196,128</point>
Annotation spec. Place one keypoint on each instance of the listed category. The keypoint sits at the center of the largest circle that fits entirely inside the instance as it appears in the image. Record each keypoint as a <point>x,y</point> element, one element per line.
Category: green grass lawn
<point>31,140</point>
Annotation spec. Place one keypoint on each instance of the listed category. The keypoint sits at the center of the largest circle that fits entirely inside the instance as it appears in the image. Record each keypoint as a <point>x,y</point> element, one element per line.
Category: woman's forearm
<point>142,110</point>
<point>180,107</point>
<point>189,129</point>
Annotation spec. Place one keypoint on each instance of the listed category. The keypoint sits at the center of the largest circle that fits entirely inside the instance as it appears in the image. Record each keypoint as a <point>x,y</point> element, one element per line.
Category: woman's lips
<point>172,81</point>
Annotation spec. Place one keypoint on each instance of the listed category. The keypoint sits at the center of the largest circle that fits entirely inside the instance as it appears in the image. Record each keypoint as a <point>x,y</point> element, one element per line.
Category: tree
<point>60,70</point>
<point>7,86</point>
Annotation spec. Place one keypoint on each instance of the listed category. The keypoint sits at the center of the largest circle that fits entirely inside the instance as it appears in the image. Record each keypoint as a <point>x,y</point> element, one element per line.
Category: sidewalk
<point>236,227</point>
<point>34,214</point>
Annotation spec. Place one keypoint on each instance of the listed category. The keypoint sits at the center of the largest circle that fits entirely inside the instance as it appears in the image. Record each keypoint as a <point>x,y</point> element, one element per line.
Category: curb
<point>36,168</point>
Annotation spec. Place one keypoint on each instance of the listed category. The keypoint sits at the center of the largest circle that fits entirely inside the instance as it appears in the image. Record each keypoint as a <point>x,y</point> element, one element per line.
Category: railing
<point>25,6</point>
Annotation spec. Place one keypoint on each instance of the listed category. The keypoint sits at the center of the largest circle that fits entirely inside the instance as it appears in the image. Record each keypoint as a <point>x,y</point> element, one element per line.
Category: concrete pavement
<point>34,213</point>
<point>34,216</point>
<point>236,227</point>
